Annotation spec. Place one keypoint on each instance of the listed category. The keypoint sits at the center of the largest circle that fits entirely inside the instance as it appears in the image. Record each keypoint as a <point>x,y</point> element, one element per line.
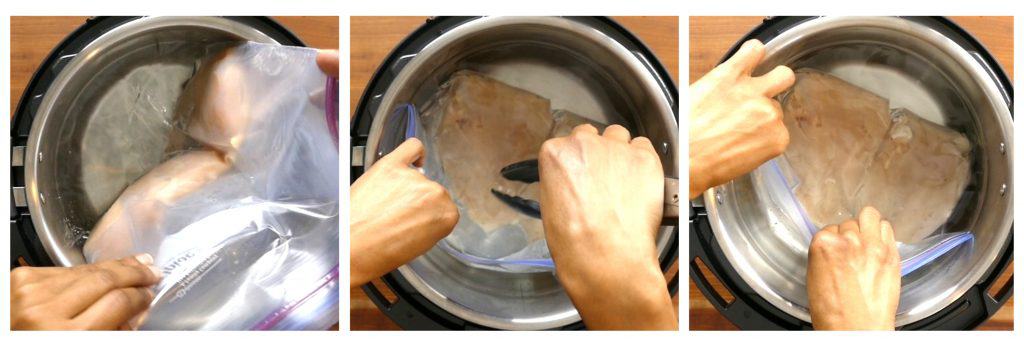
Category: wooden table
<point>372,38</point>
<point>32,39</point>
<point>710,39</point>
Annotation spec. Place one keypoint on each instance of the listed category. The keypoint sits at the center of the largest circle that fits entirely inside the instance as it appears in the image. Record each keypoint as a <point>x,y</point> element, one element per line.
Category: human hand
<point>397,214</point>
<point>602,199</point>
<point>327,60</point>
<point>105,295</point>
<point>735,125</point>
<point>853,275</point>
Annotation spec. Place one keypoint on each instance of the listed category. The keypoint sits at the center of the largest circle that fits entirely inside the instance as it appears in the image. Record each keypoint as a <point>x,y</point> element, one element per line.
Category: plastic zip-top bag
<point>849,150</point>
<point>775,187</point>
<point>472,128</point>
<point>403,123</point>
<point>242,216</point>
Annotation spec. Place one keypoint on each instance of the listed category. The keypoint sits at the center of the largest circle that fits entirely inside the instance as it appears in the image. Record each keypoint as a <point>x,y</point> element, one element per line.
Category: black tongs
<point>527,171</point>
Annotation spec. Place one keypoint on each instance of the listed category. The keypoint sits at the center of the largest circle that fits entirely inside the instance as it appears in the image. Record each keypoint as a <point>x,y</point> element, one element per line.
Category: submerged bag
<point>243,215</point>
<point>848,150</point>
<point>472,128</point>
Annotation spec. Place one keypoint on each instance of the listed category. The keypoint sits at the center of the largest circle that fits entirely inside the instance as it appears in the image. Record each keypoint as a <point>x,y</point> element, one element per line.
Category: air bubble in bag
<point>243,216</point>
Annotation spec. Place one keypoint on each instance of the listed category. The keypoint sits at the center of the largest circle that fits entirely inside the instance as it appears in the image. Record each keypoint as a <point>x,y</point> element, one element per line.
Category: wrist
<point>621,297</point>
<point>357,267</point>
<point>698,177</point>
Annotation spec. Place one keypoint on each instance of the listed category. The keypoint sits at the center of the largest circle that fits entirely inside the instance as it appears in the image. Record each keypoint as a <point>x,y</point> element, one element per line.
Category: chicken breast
<point>849,152</point>
<point>835,129</point>
<point>917,176</point>
<point>483,125</point>
<point>132,223</point>
<point>214,108</point>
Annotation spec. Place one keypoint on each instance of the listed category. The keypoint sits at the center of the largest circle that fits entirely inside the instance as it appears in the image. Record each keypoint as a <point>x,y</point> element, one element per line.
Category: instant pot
<point>53,204</point>
<point>936,64</point>
<point>611,74</point>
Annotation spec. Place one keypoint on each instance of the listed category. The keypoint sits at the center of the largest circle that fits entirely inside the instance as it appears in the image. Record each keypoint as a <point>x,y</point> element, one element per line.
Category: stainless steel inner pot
<point>578,68</point>
<point>917,68</point>
<point>100,118</point>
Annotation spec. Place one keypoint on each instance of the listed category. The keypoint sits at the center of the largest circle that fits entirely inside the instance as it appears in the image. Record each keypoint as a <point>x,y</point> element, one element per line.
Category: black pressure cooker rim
<point>412,310</point>
<point>749,311</point>
<point>25,243</point>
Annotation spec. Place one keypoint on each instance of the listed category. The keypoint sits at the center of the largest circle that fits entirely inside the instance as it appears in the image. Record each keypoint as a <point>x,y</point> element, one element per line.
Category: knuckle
<point>27,319</point>
<point>105,278</point>
<point>826,240</point>
<point>436,191</point>
<point>582,137</point>
<point>850,236</point>
<point>142,271</point>
<point>122,298</point>
<point>549,148</point>
<point>22,293</point>
<point>781,140</point>
<point>877,251</point>
<point>642,140</point>
<point>130,261</point>
<point>772,112</point>
<point>20,275</point>
<point>448,218</point>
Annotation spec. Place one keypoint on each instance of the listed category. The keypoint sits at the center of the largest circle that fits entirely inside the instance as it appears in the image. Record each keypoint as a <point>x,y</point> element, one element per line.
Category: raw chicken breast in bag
<point>243,215</point>
<point>849,150</point>
<point>472,128</point>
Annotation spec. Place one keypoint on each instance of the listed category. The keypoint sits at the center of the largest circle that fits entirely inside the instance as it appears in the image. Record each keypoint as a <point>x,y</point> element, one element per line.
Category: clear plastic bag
<point>848,150</point>
<point>474,126</point>
<point>504,125</point>
<point>775,187</point>
<point>243,215</point>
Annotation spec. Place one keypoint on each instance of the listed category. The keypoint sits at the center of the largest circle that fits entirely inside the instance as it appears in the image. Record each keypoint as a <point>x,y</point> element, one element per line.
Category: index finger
<point>327,60</point>
<point>97,280</point>
<point>115,309</point>
<point>747,57</point>
<point>775,81</point>
<point>410,152</point>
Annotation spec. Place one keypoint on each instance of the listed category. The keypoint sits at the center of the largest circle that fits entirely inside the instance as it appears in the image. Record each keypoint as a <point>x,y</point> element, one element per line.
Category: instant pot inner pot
<point>914,70</point>
<point>105,119</point>
<point>564,62</point>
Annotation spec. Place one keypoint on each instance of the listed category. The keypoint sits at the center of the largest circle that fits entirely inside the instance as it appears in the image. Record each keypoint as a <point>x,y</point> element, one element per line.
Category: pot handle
<point>742,311</point>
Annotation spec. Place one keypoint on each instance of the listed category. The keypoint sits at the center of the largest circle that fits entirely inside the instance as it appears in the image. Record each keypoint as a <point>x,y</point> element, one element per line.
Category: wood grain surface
<point>372,40</point>
<point>32,39</point>
<point>711,38</point>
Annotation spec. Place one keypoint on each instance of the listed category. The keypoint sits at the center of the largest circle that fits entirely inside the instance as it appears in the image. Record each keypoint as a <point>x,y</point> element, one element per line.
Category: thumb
<point>409,152</point>
<point>327,60</point>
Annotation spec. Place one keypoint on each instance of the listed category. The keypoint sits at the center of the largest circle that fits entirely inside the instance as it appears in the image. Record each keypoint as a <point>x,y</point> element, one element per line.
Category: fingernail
<point>156,271</point>
<point>144,258</point>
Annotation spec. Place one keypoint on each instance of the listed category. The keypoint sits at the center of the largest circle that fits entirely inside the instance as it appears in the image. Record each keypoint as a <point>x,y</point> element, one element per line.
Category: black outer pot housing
<point>411,310</point>
<point>751,312</point>
<point>25,244</point>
